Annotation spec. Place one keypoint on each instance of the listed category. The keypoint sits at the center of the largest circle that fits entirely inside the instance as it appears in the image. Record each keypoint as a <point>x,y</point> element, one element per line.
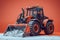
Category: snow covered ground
<point>42,37</point>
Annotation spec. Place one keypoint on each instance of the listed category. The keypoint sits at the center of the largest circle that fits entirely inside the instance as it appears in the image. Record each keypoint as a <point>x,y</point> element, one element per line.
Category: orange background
<point>10,9</point>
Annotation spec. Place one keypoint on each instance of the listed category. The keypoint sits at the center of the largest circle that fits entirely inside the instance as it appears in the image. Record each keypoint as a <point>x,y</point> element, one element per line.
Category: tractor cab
<point>34,11</point>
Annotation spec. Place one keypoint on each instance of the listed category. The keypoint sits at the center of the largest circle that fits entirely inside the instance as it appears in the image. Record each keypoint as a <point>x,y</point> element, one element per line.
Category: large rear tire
<point>49,28</point>
<point>34,28</point>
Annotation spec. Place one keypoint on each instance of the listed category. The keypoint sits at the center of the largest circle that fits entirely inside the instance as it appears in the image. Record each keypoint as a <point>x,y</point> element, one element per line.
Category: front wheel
<point>34,28</point>
<point>49,28</point>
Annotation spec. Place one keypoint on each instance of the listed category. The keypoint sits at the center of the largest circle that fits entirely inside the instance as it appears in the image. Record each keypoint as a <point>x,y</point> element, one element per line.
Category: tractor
<point>31,23</point>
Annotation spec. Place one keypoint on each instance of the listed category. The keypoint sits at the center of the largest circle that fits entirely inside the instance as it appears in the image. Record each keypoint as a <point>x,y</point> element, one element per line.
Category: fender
<point>35,20</point>
<point>46,20</point>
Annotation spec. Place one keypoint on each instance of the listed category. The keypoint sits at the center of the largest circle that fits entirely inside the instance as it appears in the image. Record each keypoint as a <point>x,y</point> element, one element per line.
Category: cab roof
<point>36,8</point>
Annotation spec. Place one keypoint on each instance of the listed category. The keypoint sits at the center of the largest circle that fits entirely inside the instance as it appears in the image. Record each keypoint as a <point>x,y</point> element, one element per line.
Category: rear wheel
<point>49,28</point>
<point>34,28</point>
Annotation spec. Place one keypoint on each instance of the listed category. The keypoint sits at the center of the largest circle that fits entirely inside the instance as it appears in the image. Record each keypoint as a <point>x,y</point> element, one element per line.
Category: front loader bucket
<point>16,30</point>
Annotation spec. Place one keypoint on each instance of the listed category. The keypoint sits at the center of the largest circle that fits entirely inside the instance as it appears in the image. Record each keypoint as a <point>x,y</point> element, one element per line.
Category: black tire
<point>49,28</point>
<point>33,29</point>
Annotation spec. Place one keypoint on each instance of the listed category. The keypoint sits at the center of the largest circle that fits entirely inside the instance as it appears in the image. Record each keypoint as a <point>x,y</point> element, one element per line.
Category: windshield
<point>32,13</point>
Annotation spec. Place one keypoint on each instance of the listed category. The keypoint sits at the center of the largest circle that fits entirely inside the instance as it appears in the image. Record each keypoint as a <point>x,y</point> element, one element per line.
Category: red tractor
<point>32,23</point>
